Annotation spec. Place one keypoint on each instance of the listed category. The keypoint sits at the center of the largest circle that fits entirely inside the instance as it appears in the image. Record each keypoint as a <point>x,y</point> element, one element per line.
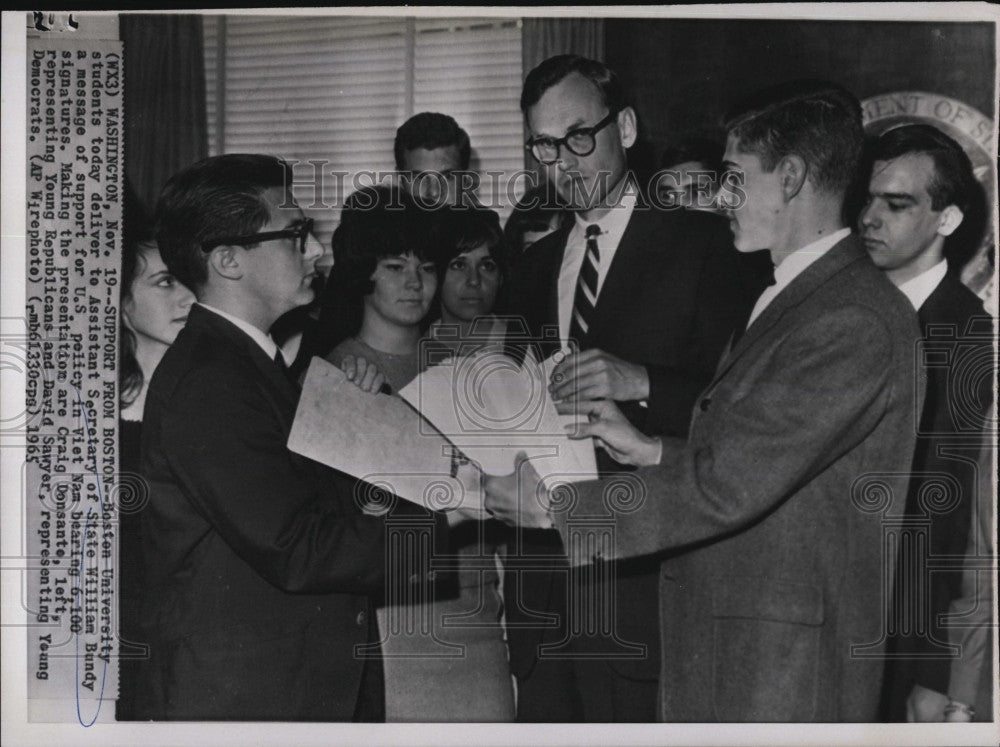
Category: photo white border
<point>15,729</point>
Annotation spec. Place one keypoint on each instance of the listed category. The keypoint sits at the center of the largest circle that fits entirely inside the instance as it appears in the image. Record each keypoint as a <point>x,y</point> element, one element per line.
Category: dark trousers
<point>370,707</point>
<point>581,690</point>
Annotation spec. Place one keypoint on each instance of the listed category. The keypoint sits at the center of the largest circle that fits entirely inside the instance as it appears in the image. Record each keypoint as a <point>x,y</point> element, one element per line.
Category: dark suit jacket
<point>674,294</point>
<point>772,602</point>
<point>259,563</point>
<point>955,356</point>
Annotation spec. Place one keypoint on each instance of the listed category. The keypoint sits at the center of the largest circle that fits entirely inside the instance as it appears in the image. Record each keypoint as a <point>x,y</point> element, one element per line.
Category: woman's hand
<point>365,374</point>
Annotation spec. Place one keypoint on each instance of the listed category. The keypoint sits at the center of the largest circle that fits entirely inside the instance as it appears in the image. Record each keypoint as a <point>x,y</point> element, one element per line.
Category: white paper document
<point>377,438</point>
<point>492,408</point>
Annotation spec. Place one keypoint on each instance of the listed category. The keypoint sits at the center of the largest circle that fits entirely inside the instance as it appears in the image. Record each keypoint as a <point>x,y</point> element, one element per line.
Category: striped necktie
<point>586,288</point>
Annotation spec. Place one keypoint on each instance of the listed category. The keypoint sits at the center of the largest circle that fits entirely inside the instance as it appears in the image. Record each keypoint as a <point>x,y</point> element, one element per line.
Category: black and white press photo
<point>497,374</point>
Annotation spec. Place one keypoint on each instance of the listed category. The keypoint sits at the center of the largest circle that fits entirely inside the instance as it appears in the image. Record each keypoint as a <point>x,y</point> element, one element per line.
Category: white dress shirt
<point>793,266</point>
<point>267,344</point>
<point>918,289</point>
<point>612,228</point>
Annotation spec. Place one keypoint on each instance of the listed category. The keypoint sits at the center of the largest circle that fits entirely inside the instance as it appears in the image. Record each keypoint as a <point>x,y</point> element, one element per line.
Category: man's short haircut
<point>551,71</point>
<point>953,182</point>
<point>216,197</point>
<point>816,120</point>
<point>431,130</point>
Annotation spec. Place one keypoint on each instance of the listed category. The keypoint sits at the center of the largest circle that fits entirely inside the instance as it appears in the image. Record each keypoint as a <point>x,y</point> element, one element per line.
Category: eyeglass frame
<point>564,140</point>
<point>300,233</point>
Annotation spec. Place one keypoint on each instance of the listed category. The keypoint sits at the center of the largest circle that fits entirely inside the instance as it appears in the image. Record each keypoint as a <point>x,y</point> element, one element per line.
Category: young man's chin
<point>305,296</point>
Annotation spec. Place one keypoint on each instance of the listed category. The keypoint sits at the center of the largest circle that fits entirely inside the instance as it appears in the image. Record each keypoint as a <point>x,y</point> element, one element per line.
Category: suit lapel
<point>942,304</point>
<point>842,254</point>
<point>551,273</point>
<point>284,392</point>
<point>542,304</point>
<point>620,281</point>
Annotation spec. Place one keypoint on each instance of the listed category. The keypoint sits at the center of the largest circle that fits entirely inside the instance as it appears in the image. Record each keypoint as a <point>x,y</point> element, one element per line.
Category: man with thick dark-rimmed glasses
<point>647,299</point>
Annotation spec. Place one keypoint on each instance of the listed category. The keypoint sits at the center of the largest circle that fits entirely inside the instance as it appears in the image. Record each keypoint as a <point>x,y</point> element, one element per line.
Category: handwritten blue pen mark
<point>86,527</point>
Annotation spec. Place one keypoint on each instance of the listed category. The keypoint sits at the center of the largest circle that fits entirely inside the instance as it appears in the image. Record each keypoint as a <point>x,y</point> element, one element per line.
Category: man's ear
<point>225,261</point>
<point>951,218</point>
<point>627,128</point>
<point>792,171</point>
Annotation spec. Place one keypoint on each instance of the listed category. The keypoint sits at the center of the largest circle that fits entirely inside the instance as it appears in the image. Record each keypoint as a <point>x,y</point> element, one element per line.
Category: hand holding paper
<point>492,408</point>
<point>602,420</point>
<point>363,373</point>
<point>520,498</point>
<point>380,439</point>
<point>595,374</point>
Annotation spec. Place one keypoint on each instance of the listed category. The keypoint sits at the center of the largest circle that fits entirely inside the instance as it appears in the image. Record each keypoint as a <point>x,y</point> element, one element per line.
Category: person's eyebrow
<point>730,166</point>
<point>903,196</point>
<point>578,123</point>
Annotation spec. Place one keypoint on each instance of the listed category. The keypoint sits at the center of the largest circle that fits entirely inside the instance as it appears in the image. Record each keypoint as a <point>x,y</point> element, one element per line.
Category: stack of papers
<point>492,409</point>
<point>377,438</point>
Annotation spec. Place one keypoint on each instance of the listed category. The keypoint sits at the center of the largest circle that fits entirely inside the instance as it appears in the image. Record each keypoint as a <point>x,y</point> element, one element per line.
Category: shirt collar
<point>918,289</point>
<point>796,262</point>
<point>616,219</point>
<point>268,345</point>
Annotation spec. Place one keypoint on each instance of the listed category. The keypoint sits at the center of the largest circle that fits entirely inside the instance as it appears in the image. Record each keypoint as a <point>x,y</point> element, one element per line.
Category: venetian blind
<point>331,91</point>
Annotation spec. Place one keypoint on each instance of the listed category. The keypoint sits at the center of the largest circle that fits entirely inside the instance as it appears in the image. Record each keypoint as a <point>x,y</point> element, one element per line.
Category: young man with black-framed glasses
<point>259,562</point>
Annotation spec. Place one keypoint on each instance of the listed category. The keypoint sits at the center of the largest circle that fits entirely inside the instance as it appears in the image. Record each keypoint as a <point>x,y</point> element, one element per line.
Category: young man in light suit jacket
<point>774,508</point>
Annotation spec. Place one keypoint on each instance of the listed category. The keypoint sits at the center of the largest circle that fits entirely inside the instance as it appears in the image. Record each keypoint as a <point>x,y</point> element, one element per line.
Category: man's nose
<point>567,159</point>
<point>726,199</point>
<point>429,185</point>
<point>325,263</point>
<point>870,217</point>
<point>314,250</point>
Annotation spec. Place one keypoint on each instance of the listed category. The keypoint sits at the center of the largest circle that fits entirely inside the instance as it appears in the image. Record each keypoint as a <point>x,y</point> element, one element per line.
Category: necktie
<point>586,287</point>
<point>279,361</point>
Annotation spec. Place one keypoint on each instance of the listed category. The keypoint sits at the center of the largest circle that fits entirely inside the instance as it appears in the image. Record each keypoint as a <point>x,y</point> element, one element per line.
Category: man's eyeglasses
<point>299,232</point>
<point>580,142</point>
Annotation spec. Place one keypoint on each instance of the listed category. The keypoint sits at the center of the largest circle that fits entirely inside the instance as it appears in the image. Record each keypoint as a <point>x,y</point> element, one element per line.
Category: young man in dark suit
<point>647,297</point>
<point>923,219</point>
<point>260,563</point>
<point>772,511</point>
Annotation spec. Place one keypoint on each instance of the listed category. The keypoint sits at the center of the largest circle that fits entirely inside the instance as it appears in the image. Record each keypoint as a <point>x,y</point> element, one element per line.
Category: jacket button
<point>362,619</point>
<point>705,403</point>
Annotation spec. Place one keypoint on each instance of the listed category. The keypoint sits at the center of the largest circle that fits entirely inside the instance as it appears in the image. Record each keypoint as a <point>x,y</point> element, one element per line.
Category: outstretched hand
<point>593,374</point>
<point>520,498</point>
<point>624,442</point>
